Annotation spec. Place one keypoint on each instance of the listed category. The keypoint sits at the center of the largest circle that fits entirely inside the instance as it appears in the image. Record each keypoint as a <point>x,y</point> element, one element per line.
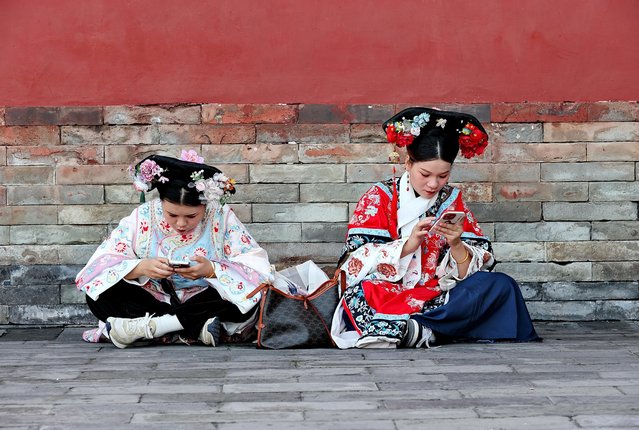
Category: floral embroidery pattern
<point>354,266</point>
<point>120,247</point>
<point>387,270</point>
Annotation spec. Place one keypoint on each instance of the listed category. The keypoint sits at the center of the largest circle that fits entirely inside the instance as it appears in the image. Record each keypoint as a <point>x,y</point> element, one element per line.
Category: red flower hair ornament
<point>405,126</point>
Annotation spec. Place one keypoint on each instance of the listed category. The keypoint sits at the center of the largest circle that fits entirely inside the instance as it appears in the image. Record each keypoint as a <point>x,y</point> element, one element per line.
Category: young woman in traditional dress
<point>410,283</point>
<point>180,264</point>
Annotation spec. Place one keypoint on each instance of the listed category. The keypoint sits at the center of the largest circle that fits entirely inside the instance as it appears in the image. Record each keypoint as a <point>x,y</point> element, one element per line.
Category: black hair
<point>178,192</point>
<point>433,145</point>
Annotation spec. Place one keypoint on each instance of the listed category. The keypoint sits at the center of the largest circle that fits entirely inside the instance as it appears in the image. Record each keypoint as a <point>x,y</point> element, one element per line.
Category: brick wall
<point>556,190</point>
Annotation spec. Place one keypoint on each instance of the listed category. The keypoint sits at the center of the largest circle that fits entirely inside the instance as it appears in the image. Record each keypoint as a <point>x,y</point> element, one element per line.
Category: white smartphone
<point>452,217</point>
<point>179,263</point>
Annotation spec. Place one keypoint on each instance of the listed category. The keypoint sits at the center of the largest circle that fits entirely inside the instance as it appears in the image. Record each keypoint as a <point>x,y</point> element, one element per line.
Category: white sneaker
<point>417,335</point>
<point>210,334</point>
<point>124,331</point>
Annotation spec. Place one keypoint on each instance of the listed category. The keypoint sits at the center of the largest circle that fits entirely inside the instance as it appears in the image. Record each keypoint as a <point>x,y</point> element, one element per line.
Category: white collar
<point>411,206</point>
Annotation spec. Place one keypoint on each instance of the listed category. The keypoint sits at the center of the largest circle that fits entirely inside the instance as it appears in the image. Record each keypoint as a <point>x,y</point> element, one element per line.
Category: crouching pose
<point>180,264</point>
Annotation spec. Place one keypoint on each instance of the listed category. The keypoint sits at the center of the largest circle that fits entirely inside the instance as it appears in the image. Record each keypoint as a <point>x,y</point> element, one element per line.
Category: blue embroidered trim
<point>369,231</point>
<point>449,201</point>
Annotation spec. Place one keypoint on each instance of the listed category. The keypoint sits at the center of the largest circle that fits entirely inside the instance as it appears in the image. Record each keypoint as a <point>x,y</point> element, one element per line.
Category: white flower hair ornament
<point>215,190</point>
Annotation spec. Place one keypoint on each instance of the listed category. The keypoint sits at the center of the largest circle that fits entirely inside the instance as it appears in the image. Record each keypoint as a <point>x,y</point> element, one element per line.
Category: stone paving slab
<point>583,376</point>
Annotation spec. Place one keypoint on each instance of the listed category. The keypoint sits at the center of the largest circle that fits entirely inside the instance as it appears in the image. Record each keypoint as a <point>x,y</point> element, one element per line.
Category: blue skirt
<point>484,306</point>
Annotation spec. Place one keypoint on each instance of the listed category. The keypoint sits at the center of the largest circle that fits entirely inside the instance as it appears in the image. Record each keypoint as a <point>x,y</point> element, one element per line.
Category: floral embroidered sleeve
<point>113,260</point>
<point>240,264</point>
<point>372,250</point>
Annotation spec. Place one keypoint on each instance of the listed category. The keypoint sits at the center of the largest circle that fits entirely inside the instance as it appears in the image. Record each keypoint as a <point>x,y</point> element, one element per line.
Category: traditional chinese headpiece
<point>158,171</point>
<point>407,126</point>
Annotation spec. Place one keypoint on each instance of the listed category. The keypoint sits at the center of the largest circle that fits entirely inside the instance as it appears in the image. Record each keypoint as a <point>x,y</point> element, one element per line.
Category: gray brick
<point>563,311</point>
<point>275,232</point>
<point>76,254</point>
<point>57,234</point>
<point>542,231</point>
<point>297,173</point>
<point>614,191</point>
<point>591,290</point>
<point>371,173</point>
<point>324,232</point>
<point>506,211</point>
<point>267,193</point>
<point>52,194</point>
<point>28,254</point>
<point>531,290</point>
<point>516,132</point>
<point>507,172</point>
<point>536,152</point>
<point>30,295</point>
<point>590,171</point>
<point>593,251</point>
<point>618,230</point>
<point>152,114</point>
<point>4,315</point>
<point>546,272</point>
<point>4,234</point>
<point>61,314</point>
<point>629,420</point>
<point>623,310</point>
<point>69,294</point>
<point>93,214</point>
<point>591,132</point>
<point>332,192</point>
<point>342,153</point>
<point>536,192</point>
<point>43,274</point>
<point>555,211</point>
<point>300,212</point>
<point>126,194</point>
<point>617,271</point>
<point>520,251</point>
<point>256,154</point>
<point>243,211</point>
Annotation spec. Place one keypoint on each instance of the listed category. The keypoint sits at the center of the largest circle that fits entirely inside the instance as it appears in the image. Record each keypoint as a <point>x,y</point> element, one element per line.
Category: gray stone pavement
<point>584,375</point>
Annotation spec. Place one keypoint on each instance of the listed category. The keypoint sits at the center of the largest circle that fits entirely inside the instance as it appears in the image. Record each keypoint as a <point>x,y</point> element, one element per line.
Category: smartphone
<point>452,217</point>
<point>179,263</point>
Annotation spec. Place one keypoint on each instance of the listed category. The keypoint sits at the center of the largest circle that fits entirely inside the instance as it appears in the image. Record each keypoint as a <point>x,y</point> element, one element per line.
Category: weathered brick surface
<point>556,189</point>
<point>298,212</point>
<point>33,135</point>
<point>67,115</point>
<point>336,153</point>
<point>480,110</point>
<point>55,194</point>
<point>110,135</point>
<point>515,133</point>
<point>302,133</point>
<point>332,192</point>
<point>536,152</point>
<point>206,134</point>
<point>541,192</point>
<point>587,172</point>
<point>613,111</point>
<point>30,295</point>
<point>22,175</point>
<point>555,211</point>
<point>249,114</point>
<point>54,155</point>
<point>297,173</point>
<point>59,314</point>
<point>612,151</point>
<point>57,234</point>
<point>344,114</point>
<point>14,215</point>
<point>507,211</point>
<point>593,251</point>
<point>539,112</point>
<point>98,174</point>
<point>619,230</point>
<point>179,114</point>
<point>542,231</point>
<point>591,131</point>
<point>614,191</point>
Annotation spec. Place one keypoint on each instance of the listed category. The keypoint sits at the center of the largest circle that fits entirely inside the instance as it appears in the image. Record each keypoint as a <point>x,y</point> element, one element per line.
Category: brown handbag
<point>295,321</point>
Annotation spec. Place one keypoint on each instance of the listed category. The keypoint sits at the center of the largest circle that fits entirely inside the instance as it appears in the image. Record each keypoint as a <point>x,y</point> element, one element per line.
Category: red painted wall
<point>97,52</point>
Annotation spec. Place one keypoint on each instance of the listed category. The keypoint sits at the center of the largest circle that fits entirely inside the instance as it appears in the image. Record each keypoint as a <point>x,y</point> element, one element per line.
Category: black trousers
<point>126,300</point>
